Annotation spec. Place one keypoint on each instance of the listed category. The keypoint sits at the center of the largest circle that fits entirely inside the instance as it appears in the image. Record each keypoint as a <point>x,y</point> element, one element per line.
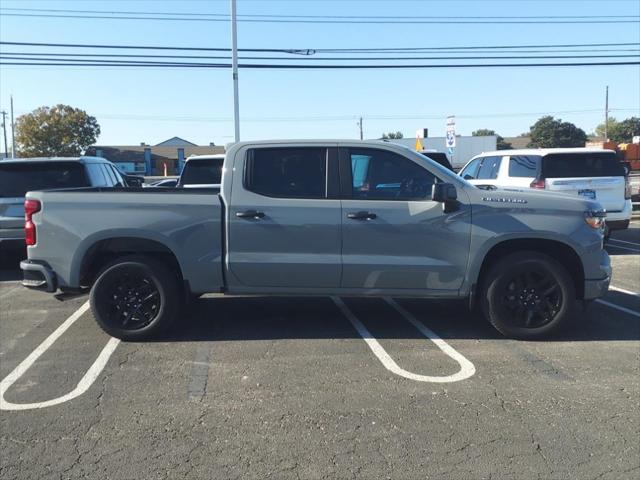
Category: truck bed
<point>72,224</point>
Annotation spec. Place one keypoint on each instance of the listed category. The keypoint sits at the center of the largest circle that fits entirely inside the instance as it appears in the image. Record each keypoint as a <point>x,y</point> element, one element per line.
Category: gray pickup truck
<point>319,218</point>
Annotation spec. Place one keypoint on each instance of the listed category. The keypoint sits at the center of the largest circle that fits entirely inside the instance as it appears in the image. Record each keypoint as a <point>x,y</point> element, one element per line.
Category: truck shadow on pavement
<point>269,318</point>
<point>10,259</point>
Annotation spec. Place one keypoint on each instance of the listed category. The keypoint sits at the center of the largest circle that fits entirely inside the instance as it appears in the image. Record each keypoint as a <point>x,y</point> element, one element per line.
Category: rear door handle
<point>362,216</point>
<point>255,214</point>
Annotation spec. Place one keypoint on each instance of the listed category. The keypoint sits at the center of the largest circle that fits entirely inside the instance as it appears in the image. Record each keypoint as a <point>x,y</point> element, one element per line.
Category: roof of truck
<point>544,151</point>
<point>312,140</point>
<point>82,159</point>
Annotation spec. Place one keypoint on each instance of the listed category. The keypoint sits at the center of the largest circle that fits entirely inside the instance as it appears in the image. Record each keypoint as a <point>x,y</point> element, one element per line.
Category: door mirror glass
<point>443,192</point>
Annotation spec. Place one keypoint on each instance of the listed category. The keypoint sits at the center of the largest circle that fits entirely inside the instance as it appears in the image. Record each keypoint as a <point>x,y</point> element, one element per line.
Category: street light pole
<point>606,115</point>
<point>234,68</point>
<point>4,130</point>
<point>13,131</point>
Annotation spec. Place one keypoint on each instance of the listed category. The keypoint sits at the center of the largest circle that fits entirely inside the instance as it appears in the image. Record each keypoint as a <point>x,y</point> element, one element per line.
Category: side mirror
<point>443,192</point>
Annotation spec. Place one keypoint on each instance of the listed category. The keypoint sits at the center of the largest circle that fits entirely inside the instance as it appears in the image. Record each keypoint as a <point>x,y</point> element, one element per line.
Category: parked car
<point>438,157</point>
<point>319,218</point>
<point>166,183</point>
<point>202,171</point>
<point>132,180</point>
<point>18,176</point>
<point>588,173</point>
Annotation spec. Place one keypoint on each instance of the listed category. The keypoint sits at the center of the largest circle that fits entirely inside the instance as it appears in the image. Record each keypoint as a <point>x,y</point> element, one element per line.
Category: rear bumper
<point>38,276</point>
<point>598,288</point>
<point>619,217</point>
<point>617,224</point>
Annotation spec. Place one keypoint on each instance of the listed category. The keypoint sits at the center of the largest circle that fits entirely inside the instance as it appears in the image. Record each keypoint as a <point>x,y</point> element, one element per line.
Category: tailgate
<point>11,213</point>
<point>608,191</point>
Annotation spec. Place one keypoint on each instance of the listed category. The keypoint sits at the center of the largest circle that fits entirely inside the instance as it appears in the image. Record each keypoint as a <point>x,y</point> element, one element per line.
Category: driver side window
<point>384,175</point>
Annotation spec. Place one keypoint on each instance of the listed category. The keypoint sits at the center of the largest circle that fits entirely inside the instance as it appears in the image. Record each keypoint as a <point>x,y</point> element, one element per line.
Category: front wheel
<point>135,298</point>
<point>528,295</point>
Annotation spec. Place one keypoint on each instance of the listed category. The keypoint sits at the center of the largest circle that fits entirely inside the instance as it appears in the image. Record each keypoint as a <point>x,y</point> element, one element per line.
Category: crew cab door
<point>394,236</point>
<point>284,218</point>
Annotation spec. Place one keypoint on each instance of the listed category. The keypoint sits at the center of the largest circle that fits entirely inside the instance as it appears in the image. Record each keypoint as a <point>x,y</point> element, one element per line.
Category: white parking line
<point>623,248</point>
<point>624,241</point>
<point>84,384</point>
<point>618,307</point>
<point>467,369</point>
<point>622,290</point>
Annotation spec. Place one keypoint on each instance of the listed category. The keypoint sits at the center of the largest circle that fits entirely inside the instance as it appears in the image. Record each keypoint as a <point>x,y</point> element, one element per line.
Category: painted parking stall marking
<point>83,385</point>
<point>467,369</point>
<point>619,307</point>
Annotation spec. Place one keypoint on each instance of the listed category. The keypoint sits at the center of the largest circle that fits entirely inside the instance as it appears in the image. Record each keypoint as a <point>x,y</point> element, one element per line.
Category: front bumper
<point>598,288</point>
<point>38,276</point>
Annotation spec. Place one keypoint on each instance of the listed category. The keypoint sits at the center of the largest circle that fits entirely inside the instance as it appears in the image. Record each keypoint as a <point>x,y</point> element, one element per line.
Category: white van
<point>594,174</point>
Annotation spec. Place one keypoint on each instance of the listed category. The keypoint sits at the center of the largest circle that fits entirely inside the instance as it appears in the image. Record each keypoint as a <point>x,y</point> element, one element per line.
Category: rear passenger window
<point>111,179</point>
<point>96,175</point>
<point>489,168</point>
<point>287,172</point>
<point>524,166</point>
<point>384,175</point>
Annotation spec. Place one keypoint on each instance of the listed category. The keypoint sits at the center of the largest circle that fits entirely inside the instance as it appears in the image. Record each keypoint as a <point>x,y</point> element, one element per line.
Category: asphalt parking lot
<point>289,388</point>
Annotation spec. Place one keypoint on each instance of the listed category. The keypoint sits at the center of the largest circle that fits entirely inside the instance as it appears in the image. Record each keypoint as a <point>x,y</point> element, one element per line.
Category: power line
<point>408,21</point>
<point>123,63</point>
<point>91,57</point>
<point>349,17</point>
<point>121,55</point>
<point>312,51</point>
<point>333,118</point>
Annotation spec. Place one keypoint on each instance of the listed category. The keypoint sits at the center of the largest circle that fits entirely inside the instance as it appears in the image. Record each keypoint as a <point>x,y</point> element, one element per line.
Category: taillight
<point>538,183</point>
<point>30,207</point>
<point>627,188</point>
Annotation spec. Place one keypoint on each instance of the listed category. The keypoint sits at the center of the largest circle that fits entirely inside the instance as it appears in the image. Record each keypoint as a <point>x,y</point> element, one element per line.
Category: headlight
<point>595,218</point>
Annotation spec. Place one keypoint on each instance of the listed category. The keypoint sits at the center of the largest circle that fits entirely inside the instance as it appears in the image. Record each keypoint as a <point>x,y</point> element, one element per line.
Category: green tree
<point>500,143</point>
<point>548,132</point>
<point>600,128</point>
<point>55,131</point>
<point>392,135</point>
<point>620,132</point>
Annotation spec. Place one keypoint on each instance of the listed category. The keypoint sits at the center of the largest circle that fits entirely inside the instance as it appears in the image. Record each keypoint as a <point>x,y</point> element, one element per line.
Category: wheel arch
<point>103,251</point>
<point>559,251</point>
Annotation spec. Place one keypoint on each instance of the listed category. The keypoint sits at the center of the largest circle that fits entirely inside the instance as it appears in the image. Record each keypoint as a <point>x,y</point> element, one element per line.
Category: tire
<point>135,298</point>
<point>528,295</point>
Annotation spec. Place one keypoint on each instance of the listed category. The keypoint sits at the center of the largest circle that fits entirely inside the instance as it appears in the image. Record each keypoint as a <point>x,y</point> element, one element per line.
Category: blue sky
<point>150,105</point>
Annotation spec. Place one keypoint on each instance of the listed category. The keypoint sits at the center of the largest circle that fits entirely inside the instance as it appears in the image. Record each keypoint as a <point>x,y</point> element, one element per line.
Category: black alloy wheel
<point>528,295</point>
<point>136,297</point>
<point>531,297</point>
<point>133,301</point>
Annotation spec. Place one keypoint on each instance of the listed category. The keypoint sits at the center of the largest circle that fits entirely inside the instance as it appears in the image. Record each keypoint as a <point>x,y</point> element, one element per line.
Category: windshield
<point>199,172</point>
<point>16,179</point>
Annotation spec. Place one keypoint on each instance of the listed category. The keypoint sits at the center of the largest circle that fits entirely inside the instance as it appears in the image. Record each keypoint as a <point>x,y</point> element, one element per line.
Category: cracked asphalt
<point>286,388</point>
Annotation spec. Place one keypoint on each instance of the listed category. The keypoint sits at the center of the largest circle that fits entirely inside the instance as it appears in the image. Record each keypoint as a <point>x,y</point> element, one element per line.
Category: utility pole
<point>234,68</point>
<point>4,130</point>
<point>360,125</point>
<point>13,132</point>
<point>606,115</point>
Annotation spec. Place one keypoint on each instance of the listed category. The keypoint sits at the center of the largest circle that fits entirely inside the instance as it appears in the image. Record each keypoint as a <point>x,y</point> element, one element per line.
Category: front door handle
<point>255,214</point>
<point>362,216</point>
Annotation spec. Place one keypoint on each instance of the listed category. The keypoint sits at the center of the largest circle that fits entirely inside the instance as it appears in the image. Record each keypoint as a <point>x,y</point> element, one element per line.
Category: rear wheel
<point>528,295</point>
<point>135,298</point>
